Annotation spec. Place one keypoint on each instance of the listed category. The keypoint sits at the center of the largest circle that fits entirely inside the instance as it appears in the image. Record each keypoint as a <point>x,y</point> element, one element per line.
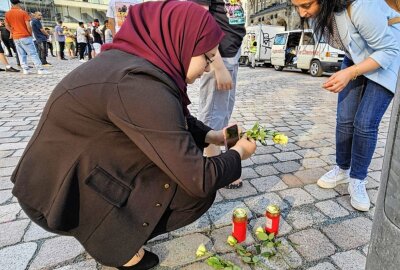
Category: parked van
<point>300,49</point>
<point>265,35</point>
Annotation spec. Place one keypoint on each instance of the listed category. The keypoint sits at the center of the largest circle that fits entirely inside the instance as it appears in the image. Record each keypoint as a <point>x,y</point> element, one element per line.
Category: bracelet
<point>356,73</point>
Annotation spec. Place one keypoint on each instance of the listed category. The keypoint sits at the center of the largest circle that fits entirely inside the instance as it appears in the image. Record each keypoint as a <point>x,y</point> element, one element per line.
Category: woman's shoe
<point>234,186</point>
<point>148,261</point>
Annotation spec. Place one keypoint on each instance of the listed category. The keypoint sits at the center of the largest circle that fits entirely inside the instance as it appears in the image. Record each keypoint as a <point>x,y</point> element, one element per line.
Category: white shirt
<point>118,10</point>
<point>108,38</point>
<point>81,35</point>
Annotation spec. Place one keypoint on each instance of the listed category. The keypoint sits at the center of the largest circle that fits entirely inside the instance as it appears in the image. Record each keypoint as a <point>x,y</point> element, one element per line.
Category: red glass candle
<point>272,215</point>
<point>239,224</point>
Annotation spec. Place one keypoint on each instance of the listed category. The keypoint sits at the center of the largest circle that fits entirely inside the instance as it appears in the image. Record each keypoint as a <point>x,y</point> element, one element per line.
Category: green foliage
<point>217,262</point>
<point>258,133</point>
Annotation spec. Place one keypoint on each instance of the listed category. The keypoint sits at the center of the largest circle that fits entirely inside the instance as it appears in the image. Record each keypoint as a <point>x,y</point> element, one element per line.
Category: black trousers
<point>42,51</point>
<point>50,46</point>
<point>82,48</point>
<point>10,45</point>
<point>62,47</point>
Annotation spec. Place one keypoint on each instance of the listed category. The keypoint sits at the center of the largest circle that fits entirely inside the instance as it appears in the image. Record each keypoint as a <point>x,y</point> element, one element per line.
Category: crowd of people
<point>119,153</point>
<point>84,42</point>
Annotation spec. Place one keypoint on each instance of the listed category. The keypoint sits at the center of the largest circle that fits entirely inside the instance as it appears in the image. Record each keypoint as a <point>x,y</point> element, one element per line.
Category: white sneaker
<point>334,177</point>
<point>43,72</point>
<point>26,71</point>
<point>359,196</point>
<point>83,61</point>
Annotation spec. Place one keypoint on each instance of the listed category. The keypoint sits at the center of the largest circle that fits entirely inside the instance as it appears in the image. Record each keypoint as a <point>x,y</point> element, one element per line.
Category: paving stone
<point>218,198</point>
<point>247,162</point>
<point>200,225</point>
<point>350,233</point>
<point>7,171</point>
<point>266,170</point>
<point>365,249</point>
<point>332,209</point>
<point>221,213</point>
<point>9,212</point>
<point>352,260</point>
<point>12,232</point>
<point>289,255</point>
<point>291,180</point>
<point>310,163</point>
<point>342,189</point>
<point>219,237</point>
<point>323,266</point>
<point>287,166</point>
<point>345,202</point>
<point>310,176</point>
<point>371,183</point>
<point>17,257</point>
<point>9,162</point>
<point>263,159</point>
<point>288,147</point>
<point>160,237</point>
<point>245,191</point>
<point>308,153</point>
<point>376,164</point>
<point>35,232</point>
<point>249,173</point>
<point>287,156</point>
<point>85,265</point>
<point>320,193</point>
<point>312,244</point>
<point>284,227</point>
<point>268,184</point>
<point>330,160</point>
<point>373,195</point>
<point>375,175</point>
<point>296,196</point>
<point>266,150</point>
<point>5,195</point>
<point>196,266</point>
<point>55,251</point>
<point>180,251</point>
<point>324,151</point>
<point>304,217</point>
<point>258,204</point>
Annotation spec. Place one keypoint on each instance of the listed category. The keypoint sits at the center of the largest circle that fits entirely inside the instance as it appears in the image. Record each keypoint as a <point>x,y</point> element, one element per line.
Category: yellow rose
<point>231,240</point>
<point>259,230</point>
<point>201,251</point>
<point>280,139</point>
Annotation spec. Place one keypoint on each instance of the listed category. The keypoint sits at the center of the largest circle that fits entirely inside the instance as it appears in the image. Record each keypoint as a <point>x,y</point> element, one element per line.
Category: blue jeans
<point>361,106</point>
<point>216,106</point>
<point>25,47</point>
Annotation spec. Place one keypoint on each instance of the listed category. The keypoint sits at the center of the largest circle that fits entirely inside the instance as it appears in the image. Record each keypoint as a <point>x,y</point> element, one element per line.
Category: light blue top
<point>367,34</point>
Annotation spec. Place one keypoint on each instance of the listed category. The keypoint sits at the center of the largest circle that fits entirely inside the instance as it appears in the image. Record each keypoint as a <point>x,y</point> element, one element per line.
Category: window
<point>308,39</point>
<point>280,39</point>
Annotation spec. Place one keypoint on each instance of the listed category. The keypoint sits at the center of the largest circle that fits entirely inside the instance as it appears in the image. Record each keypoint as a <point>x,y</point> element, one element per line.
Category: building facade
<point>274,12</point>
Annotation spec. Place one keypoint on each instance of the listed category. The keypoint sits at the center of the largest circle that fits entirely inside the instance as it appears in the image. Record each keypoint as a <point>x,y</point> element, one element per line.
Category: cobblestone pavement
<point>319,229</point>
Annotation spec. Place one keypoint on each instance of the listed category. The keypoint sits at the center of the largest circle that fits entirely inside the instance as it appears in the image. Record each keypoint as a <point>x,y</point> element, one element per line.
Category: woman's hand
<point>245,147</point>
<point>223,78</point>
<point>215,137</point>
<point>338,81</point>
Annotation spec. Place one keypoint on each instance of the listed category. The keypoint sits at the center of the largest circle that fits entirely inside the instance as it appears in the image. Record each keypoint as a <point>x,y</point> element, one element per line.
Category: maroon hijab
<point>168,34</point>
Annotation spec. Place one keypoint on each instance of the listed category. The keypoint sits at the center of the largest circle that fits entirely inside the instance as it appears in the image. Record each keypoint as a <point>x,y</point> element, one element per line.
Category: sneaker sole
<point>321,183</point>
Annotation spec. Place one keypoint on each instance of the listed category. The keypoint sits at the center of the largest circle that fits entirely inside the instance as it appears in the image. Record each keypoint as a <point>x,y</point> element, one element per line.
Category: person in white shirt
<point>117,12</point>
<point>81,39</point>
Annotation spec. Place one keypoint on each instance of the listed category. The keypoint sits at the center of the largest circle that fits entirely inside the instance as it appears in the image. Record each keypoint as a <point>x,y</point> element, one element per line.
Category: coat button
<point>166,186</point>
<point>158,204</point>
<point>145,224</point>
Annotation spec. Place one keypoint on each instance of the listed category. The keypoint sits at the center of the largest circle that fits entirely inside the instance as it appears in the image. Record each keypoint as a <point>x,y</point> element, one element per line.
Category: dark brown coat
<point>112,152</point>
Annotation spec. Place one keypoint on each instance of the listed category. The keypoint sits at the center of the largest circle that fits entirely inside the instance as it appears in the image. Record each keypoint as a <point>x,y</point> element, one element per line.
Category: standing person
<point>215,101</point>
<point>117,11</point>
<point>253,51</point>
<point>366,82</point>
<point>108,36</point>
<point>81,39</point>
<point>69,42</point>
<point>104,143</point>
<point>3,59</point>
<point>60,38</point>
<point>8,41</point>
<point>18,23</point>
<point>50,41</point>
<point>41,36</point>
<point>97,37</point>
<point>89,37</point>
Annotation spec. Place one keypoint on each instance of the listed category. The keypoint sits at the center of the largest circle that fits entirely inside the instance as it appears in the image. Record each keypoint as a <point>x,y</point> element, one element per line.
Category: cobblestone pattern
<point>319,229</point>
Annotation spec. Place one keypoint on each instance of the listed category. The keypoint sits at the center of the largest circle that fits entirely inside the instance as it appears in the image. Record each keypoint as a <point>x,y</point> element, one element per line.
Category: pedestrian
<point>50,39</point>
<point>218,88</point>
<point>60,38</point>
<point>107,34</point>
<point>81,38</point>
<point>89,44</point>
<point>97,37</point>
<point>107,141</point>
<point>69,42</point>
<point>8,41</point>
<point>41,36</point>
<point>3,60</point>
<point>366,82</point>
<point>18,23</point>
<point>117,11</point>
<point>253,51</point>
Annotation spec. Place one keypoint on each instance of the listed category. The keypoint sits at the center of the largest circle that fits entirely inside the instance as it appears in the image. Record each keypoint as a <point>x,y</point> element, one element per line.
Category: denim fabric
<point>216,106</point>
<point>25,47</point>
<point>42,50</point>
<point>360,108</point>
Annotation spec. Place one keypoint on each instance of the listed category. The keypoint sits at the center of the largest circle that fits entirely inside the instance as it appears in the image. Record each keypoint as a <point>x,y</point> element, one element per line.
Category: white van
<point>300,49</point>
<point>265,35</point>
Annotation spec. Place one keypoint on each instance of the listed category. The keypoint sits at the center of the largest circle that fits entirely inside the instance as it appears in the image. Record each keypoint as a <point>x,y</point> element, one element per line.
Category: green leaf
<point>235,267</point>
<point>258,249</point>
<point>228,268</point>
<point>270,245</point>
<point>240,247</point>
<point>256,259</point>
<point>271,236</point>
<point>246,259</point>
<point>262,236</point>
<point>267,254</point>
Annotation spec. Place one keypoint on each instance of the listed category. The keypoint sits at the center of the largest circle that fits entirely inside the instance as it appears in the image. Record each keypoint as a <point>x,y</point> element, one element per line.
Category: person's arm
<point>159,130</point>
<point>42,30</point>
<point>372,25</point>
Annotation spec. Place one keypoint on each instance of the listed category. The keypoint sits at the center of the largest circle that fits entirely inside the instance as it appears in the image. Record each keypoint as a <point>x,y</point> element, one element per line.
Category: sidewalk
<point>323,230</point>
